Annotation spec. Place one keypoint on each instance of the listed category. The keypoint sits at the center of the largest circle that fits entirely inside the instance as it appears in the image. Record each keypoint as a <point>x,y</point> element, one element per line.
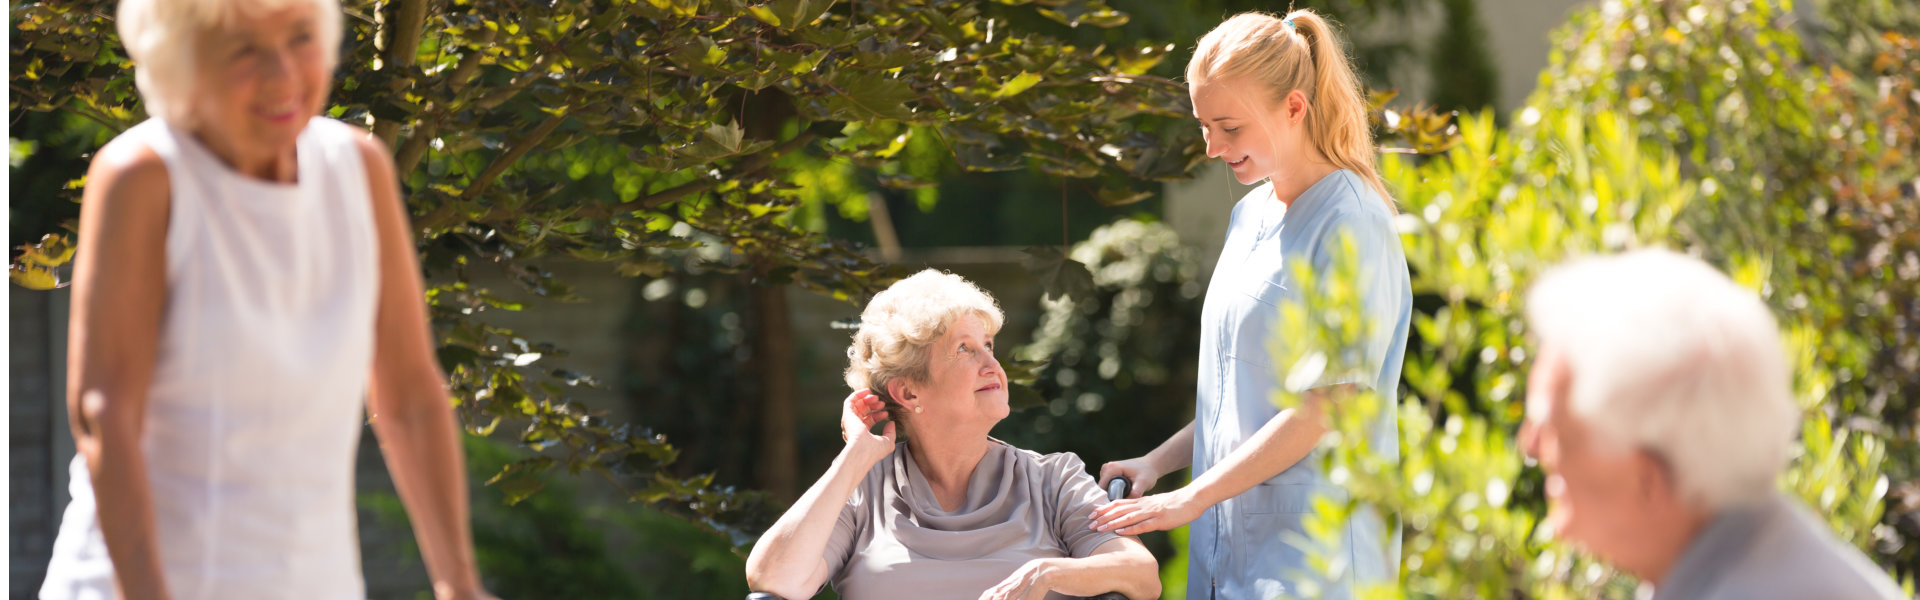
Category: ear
<point>1655,478</point>
<point>1295,107</point>
<point>900,391</point>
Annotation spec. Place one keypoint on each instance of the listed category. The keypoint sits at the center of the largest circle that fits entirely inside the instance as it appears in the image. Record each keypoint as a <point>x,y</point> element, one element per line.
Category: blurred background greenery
<point>674,401</point>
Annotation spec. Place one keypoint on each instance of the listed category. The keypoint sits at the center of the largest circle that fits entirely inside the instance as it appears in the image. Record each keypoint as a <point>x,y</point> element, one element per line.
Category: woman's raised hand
<point>862,410</point>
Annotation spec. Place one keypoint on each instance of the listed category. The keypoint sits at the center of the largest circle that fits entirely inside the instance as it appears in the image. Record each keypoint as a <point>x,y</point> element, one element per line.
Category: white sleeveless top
<point>254,415</point>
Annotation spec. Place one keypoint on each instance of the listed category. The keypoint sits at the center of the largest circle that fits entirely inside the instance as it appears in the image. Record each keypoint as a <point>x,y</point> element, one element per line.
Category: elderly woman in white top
<point>950,513</point>
<point>245,279</point>
<point>1659,407</point>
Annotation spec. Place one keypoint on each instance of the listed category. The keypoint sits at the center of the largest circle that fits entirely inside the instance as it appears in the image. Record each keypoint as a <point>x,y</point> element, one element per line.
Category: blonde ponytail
<point>1300,51</point>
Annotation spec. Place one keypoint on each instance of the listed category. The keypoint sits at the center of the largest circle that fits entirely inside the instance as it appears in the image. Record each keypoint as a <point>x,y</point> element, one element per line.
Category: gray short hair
<point>1668,354</point>
<point>899,326</point>
<point>160,35</point>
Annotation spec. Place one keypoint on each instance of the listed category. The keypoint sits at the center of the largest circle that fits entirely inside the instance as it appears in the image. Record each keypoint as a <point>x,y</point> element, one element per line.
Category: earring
<point>916,409</point>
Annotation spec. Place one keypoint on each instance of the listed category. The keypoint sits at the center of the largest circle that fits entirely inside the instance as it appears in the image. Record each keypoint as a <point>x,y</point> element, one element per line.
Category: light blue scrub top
<point>1245,547</point>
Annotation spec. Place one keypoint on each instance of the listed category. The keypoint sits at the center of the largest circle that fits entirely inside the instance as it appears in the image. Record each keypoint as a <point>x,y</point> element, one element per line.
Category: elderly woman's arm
<point>1119,565</point>
<point>790,560</point>
<point>409,401</point>
<point>119,291</point>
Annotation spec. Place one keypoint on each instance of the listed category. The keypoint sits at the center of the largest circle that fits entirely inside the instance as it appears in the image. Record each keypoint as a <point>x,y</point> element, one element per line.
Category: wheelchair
<point>1116,489</point>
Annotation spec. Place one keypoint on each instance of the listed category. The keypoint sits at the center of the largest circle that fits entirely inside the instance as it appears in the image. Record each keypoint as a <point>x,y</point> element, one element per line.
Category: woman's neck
<point>279,166</point>
<point>1289,182</point>
<point>948,462</point>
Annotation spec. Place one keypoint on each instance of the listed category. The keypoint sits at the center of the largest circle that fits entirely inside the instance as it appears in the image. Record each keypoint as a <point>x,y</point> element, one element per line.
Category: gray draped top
<point>894,541</point>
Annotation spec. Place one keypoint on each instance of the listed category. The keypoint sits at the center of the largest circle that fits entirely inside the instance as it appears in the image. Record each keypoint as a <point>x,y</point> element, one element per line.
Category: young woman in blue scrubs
<point>1277,100</point>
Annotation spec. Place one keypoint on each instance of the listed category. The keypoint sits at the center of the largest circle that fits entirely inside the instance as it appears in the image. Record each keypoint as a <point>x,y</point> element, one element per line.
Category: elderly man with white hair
<point>1659,407</point>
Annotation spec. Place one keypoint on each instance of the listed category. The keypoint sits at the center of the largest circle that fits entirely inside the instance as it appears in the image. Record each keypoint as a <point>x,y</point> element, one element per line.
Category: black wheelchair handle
<point>1119,487</point>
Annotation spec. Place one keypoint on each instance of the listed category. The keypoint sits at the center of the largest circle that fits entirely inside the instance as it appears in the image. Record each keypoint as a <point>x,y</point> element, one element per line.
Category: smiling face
<point>965,385</point>
<point>1244,128</point>
<point>260,78</point>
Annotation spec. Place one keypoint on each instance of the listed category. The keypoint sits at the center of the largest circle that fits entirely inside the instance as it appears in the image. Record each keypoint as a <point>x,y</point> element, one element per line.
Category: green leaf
<point>520,479</point>
<point>788,14</point>
<point>728,136</point>
<point>1060,277</point>
<point>34,278</point>
<point>900,181</point>
<point>1092,13</point>
<point>679,8</point>
<point>1020,397</point>
<point>765,15</point>
<point>1145,59</point>
<point>796,63</point>
<point>858,96</point>
<point>1122,196</point>
<point>1018,84</point>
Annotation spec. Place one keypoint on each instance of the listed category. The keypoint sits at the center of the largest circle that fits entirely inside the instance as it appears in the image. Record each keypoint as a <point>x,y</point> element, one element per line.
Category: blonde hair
<point>160,36</point>
<point>1668,354</point>
<point>900,325</point>
<point>1300,51</point>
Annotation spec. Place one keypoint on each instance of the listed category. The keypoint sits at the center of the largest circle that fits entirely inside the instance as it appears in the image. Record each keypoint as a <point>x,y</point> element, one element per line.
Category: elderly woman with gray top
<point>1663,450</point>
<point>950,512</point>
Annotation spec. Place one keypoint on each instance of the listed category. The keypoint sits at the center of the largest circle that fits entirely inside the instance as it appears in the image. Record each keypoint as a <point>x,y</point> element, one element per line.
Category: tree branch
<point>1153,79</point>
<point>409,156</point>
<point>512,88</point>
<point>448,215</point>
<point>415,149</point>
<point>519,148</point>
<point>663,197</point>
<point>405,19</point>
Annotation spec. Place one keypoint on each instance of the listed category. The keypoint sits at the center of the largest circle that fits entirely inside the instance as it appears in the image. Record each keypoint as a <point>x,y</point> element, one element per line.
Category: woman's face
<point>1244,128</point>
<point>965,384</point>
<point>259,80</point>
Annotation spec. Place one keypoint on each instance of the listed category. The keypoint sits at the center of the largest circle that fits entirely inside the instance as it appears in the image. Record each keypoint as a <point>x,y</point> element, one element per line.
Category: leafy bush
<point>1801,127</point>
<point>563,544</point>
<point>1481,223</point>
<point>1121,356</point>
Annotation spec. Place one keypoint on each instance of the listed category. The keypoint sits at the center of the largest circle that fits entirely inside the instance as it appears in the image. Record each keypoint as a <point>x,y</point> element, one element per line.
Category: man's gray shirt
<point>1773,550</point>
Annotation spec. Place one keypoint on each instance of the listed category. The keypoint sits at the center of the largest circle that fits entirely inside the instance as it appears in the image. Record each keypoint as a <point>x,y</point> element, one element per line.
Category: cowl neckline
<point>989,519</point>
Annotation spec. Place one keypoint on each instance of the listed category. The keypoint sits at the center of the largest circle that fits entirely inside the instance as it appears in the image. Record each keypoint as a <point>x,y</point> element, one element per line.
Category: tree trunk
<point>779,464</point>
<point>883,231</point>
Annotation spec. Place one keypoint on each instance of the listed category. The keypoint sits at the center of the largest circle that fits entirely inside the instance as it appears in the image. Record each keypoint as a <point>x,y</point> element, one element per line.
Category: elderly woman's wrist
<point>1051,570</point>
<point>861,456</point>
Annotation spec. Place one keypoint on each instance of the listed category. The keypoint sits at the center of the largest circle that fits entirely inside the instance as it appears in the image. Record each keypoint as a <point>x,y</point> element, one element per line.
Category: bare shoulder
<point>124,220</point>
<point>382,183</point>
<point>376,154</point>
<point>127,178</point>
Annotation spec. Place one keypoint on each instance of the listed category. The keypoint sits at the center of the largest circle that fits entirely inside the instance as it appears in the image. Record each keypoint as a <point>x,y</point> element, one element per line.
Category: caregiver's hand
<point>1159,512</point>
<point>1140,470</point>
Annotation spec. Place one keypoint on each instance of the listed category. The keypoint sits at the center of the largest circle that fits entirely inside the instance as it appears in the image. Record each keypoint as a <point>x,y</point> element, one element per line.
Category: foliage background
<point>717,146</point>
